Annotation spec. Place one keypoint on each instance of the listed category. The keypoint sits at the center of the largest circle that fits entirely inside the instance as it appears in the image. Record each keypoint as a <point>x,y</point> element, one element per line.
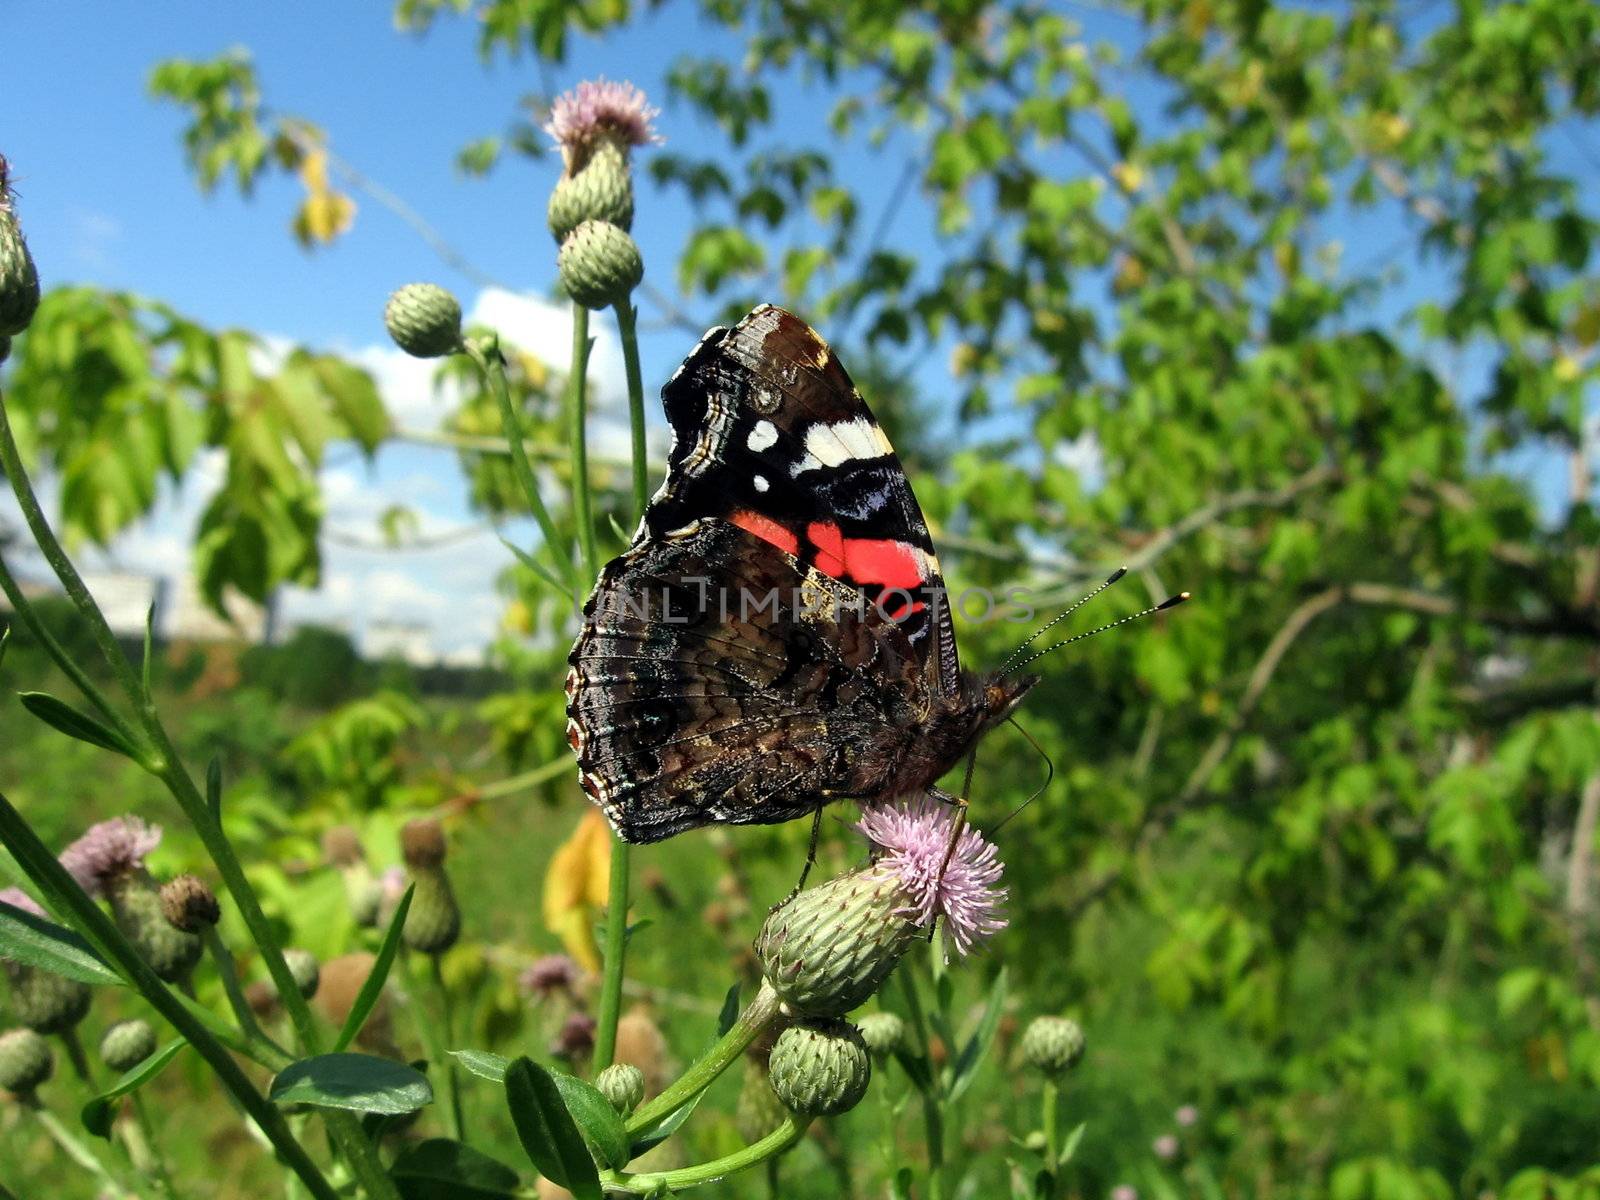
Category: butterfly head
<point>996,696</point>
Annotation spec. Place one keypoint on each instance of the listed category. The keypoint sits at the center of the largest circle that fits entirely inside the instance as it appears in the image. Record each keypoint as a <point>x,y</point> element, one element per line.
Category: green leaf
<point>440,1169</point>
<point>653,1135</point>
<point>358,1082</point>
<point>597,1121</point>
<point>534,565</point>
<point>972,1054</point>
<point>730,1011</point>
<point>547,1132</point>
<point>36,942</point>
<point>483,1063</point>
<point>372,988</point>
<point>98,1113</point>
<point>62,717</point>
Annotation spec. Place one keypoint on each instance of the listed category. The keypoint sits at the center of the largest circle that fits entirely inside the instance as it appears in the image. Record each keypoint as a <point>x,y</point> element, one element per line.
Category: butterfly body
<point>776,637</point>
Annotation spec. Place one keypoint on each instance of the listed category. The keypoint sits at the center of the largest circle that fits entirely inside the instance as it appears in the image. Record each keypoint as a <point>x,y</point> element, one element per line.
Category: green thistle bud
<point>622,1084</point>
<point>1052,1045</point>
<point>304,967</point>
<point>127,1044</point>
<point>759,1111</point>
<point>44,1001</point>
<point>189,905</point>
<point>600,190</point>
<point>883,1032</point>
<point>25,1061</point>
<point>136,905</point>
<point>434,922</point>
<point>19,278</point>
<point>424,320</point>
<point>829,948</point>
<point>599,264</point>
<point>820,1068</point>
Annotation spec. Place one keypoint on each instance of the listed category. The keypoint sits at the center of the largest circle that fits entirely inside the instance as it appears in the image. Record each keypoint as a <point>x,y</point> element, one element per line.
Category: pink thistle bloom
<point>18,898</point>
<point>913,842</point>
<point>108,850</point>
<point>576,1038</point>
<point>1186,1116</point>
<point>1165,1147</point>
<point>1124,1191</point>
<point>598,105</point>
<point>550,974</point>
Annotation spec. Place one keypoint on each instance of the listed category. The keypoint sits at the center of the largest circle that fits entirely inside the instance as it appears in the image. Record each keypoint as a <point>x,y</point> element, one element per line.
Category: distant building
<point>181,615</point>
<point>409,641</point>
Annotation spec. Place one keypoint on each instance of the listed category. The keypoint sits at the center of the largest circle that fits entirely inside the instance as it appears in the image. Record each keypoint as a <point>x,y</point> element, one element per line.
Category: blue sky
<point>108,199</point>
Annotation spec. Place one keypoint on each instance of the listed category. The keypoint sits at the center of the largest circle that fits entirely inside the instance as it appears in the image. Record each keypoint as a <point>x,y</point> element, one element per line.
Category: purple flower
<point>596,105</point>
<point>108,850</point>
<point>18,898</point>
<point>1124,1191</point>
<point>1186,1116</point>
<point>913,838</point>
<point>576,1039</point>
<point>549,974</point>
<point>1165,1147</point>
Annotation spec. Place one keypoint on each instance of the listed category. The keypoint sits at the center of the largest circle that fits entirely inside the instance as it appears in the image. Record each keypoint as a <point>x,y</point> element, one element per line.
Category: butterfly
<point>776,637</point>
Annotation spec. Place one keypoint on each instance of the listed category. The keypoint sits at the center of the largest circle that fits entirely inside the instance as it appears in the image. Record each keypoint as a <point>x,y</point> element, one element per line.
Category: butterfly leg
<point>959,825</point>
<point>811,859</point>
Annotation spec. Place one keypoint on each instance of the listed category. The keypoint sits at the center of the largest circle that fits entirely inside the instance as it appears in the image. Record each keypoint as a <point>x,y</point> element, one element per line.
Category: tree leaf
<point>547,1131</point>
<point>98,1113</point>
<point>41,943</point>
<point>441,1169</point>
<point>358,1082</point>
<point>372,988</point>
<point>61,716</point>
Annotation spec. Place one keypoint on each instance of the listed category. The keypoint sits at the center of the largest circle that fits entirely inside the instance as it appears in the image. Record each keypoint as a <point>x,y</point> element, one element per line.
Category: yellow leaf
<point>1129,176</point>
<point>325,213</point>
<point>575,887</point>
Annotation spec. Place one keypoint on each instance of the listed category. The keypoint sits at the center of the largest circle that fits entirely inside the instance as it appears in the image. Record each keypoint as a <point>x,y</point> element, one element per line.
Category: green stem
<point>222,959</point>
<point>80,679</point>
<point>628,333</point>
<point>1052,1136</point>
<point>158,1161</point>
<point>492,366</point>
<point>932,1117</point>
<point>72,1147</point>
<point>757,1017</point>
<point>578,383</point>
<point>452,1085</point>
<point>88,918</point>
<point>666,1182</point>
<point>605,1037</point>
<point>79,1060</point>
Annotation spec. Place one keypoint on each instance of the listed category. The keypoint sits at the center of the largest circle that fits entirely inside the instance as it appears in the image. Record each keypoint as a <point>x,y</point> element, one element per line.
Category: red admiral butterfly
<point>776,636</point>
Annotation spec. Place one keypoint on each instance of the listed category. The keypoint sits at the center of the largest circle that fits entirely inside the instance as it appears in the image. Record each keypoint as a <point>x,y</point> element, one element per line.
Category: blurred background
<point>1295,306</point>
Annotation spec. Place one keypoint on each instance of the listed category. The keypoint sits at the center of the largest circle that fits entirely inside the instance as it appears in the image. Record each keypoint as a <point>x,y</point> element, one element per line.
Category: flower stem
<point>492,367</point>
<point>659,1183</point>
<point>80,1061</point>
<point>605,1036</point>
<point>578,382</point>
<point>1047,1117</point>
<point>758,1015</point>
<point>628,332</point>
<point>222,959</point>
<point>452,1085</point>
<point>152,1148</point>
<point>932,1117</point>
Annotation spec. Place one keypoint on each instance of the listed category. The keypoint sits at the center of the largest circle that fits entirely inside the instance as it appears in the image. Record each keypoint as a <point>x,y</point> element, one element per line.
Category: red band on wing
<point>767,530</point>
<point>883,561</point>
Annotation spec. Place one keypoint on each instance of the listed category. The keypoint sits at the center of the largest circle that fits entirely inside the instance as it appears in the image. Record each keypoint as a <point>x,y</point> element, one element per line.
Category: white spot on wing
<point>764,434</point>
<point>842,442</point>
<point>761,483</point>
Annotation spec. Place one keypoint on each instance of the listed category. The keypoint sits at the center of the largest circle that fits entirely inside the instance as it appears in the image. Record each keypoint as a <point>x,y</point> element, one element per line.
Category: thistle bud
<point>304,967</point>
<point>759,1111</point>
<point>601,190</point>
<point>820,1068</point>
<point>189,905</point>
<point>26,1061</point>
<point>622,1084</point>
<point>434,922</point>
<point>1052,1045</point>
<point>599,264</point>
<point>127,1044</point>
<point>42,1000</point>
<point>424,320</point>
<point>829,948</point>
<point>883,1032</point>
<point>19,279</point>
<point>140,914</point>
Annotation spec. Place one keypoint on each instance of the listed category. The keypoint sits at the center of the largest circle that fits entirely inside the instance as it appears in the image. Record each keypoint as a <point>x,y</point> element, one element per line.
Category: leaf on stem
<point>98,1113</point>
<point>372,988</point>
<point>62,717</point>
<point>37,942</point>
<point>441,1169</point>
<point>547,1130</point>
<point>972,1054</point>
<point>483,1063</point>
<point>357,1082</point>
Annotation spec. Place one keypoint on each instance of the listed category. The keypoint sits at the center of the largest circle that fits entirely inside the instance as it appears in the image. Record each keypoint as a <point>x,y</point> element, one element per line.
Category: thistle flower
<point>127,1044</point>
<point>599,264</point>
<point>108,851</point>
<point>550,974</point>
<point>1124,1191</point>
<point>424,320</point>
<point>622,1084</point>
<point>1165,1147</point>
<point>19,278</point>
<point>434,922</point>
<point>599,108</point>
<point>913,840</point>
<point>575,1041</point>
<point>189,905</point>
<point>820,1068</point>
<point>1186,1116</point>
<point>26,1061</point>
<point>18,898</point>
<point>1053,1045</point>
<point>883,1032</point>
<point>42,1000</point>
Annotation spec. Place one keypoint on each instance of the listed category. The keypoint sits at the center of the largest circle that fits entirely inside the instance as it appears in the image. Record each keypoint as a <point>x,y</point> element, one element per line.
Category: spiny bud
<point>759,1111</point>
<point>127,1044</point>
<point>19,279</point>
<point>189,905</point>
<point>140,914</point>
<point>44,1001</point>
<point>1052,1044</point>
<point>883,1032</point>
<point>600,190</point>
<point>599,264</point>
<point>828,949</point>
<point>820,1068</point>
<point>622,1084</point>
<point>25,1061</point>
<point>424,320</point>
<point>305,969</point>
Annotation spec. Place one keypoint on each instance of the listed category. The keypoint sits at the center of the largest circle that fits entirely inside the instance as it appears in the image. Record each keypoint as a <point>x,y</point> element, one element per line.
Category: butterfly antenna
<point>1169,602</point>
<point>1059,617</point>
<point>1050,774</point>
